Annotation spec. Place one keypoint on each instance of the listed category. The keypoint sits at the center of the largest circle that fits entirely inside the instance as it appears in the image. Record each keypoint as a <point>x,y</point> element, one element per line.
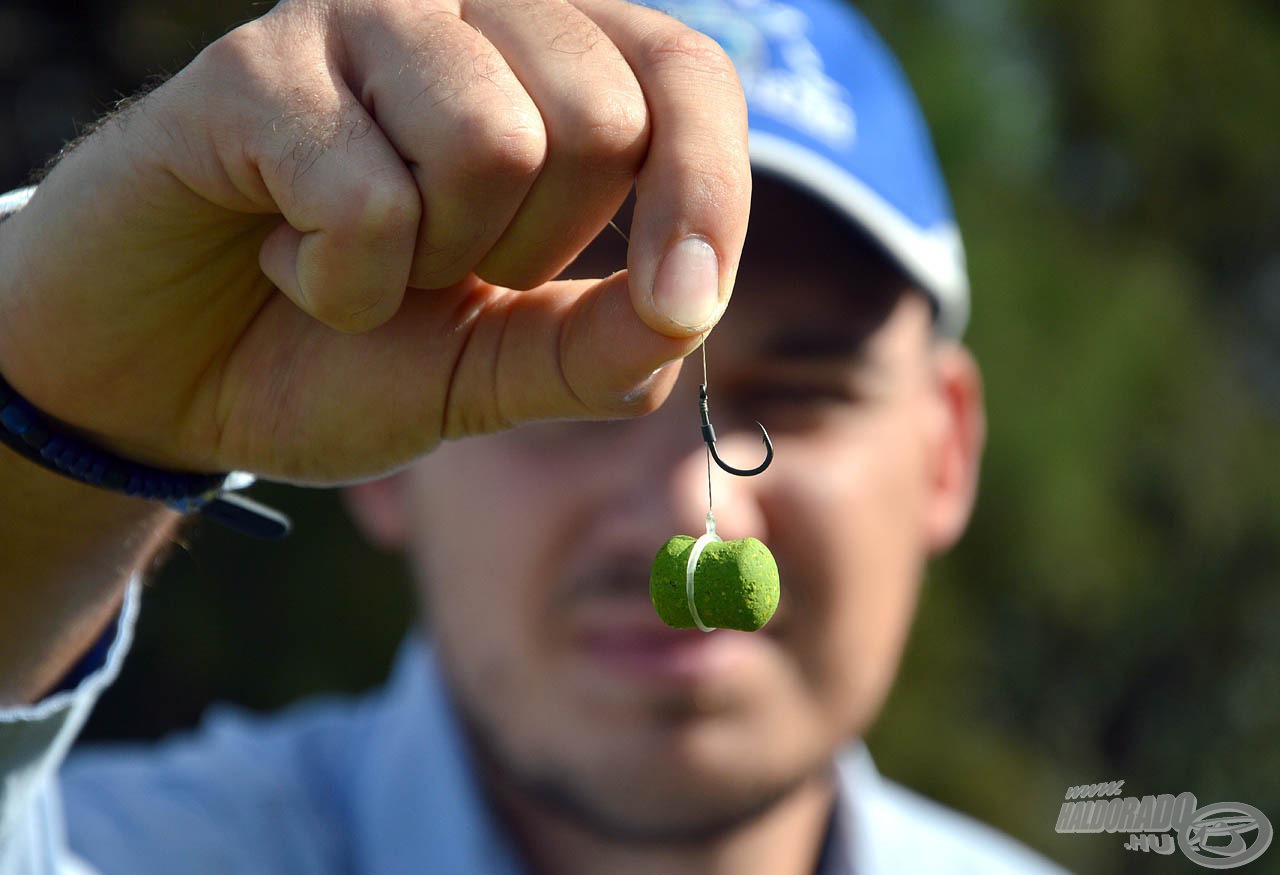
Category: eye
<point>781,406</point>
<point>798,395</point>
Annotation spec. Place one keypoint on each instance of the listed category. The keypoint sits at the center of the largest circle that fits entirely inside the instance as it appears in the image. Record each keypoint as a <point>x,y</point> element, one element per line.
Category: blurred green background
<point>1114,611</point>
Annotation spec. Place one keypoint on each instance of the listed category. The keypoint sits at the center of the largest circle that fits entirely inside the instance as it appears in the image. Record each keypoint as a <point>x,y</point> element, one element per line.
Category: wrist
<point>68,551</point>
<point>45,443</point>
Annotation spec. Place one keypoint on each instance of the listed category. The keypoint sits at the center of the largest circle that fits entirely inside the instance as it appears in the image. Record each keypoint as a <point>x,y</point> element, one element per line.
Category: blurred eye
<point>793,403</point>
<point>803,395</point>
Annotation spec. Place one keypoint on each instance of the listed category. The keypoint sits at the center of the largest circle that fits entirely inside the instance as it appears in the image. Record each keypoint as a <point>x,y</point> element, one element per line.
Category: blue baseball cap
<point>831,112</point>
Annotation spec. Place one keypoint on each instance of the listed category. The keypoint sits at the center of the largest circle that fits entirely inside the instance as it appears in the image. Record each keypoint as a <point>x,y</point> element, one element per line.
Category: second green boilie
<point>735,585</point>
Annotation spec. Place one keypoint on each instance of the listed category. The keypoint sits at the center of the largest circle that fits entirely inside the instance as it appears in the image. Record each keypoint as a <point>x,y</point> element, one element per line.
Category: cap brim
<point>932,257</point>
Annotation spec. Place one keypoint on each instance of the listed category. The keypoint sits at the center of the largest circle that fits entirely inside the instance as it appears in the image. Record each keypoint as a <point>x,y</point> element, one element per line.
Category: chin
<point>657,799</point>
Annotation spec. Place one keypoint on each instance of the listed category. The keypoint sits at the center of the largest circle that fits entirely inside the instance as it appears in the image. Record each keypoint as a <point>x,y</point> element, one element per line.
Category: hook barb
<point>709,435</point>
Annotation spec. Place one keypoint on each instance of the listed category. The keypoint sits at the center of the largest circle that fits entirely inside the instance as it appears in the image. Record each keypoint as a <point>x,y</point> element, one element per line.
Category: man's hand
<point>410,174</point>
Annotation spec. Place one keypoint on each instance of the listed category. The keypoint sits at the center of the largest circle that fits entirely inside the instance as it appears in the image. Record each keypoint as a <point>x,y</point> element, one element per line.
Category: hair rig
<point>709,582</point>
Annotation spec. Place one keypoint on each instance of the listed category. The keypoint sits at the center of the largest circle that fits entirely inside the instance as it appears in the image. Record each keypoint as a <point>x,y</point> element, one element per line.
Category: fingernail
<point>687,288</point>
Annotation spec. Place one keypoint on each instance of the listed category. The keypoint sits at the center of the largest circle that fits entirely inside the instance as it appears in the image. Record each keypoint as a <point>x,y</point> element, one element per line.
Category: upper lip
<point>629,616</point>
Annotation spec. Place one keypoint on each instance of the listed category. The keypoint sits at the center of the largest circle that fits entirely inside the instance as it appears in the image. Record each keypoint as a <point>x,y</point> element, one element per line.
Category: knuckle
<point>238,49</point>
<point>576,34</point>
<point>608,129</point>
<point>232,68</point>
<point>244,63</point>
<point>509,144</point>
<point>382,208</point>
<point>687,51</point>
<point>722,182</point>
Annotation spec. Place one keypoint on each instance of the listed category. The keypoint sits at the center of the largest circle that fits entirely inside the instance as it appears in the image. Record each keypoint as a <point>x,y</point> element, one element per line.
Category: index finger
<point>693,193</point>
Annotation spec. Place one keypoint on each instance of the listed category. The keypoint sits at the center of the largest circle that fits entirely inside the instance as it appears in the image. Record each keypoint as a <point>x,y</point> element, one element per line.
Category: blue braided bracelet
<point>36,436</point>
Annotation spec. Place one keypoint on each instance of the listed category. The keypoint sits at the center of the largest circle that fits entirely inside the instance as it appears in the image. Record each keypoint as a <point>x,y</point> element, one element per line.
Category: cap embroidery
<point>781,69</point>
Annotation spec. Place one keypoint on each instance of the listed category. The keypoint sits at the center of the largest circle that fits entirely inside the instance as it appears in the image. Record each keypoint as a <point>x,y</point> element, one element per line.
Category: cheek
<point>484,522</point>
<point>847,524</point>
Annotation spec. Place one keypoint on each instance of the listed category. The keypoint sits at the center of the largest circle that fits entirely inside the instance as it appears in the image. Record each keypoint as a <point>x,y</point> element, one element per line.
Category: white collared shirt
<point>381,784</point>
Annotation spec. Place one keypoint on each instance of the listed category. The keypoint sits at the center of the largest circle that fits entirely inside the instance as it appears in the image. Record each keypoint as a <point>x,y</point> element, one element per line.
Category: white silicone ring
<point>694,554</point>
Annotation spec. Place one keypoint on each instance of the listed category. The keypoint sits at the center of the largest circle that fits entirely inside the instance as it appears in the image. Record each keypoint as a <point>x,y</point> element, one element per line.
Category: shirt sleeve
<point>34,740</point>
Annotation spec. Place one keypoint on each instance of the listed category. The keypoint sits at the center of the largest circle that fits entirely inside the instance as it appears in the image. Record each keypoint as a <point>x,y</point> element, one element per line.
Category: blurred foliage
<point>1114,611</point>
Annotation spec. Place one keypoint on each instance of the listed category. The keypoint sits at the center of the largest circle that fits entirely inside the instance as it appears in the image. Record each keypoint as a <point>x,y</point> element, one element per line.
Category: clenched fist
<point>328,243</point>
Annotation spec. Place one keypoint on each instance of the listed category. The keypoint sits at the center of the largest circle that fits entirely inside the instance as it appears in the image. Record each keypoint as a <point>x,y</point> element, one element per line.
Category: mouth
<point>625,640</point>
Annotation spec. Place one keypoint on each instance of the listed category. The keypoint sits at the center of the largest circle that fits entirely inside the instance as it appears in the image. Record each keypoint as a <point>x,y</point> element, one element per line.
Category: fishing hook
<point>709,435</point>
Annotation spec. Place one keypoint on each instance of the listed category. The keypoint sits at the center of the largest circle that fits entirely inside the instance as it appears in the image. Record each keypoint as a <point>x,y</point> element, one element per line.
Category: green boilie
<point>735,584</point>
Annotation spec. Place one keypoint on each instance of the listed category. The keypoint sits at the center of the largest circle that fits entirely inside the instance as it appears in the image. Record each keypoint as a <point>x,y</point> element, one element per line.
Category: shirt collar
<point>847,850</point>
<point>418,802</point>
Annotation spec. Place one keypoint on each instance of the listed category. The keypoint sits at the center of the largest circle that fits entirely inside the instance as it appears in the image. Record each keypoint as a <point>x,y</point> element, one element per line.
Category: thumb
<point>574,349</point>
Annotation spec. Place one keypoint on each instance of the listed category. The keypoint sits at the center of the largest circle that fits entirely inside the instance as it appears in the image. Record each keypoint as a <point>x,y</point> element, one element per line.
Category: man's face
<point>533,547</point>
